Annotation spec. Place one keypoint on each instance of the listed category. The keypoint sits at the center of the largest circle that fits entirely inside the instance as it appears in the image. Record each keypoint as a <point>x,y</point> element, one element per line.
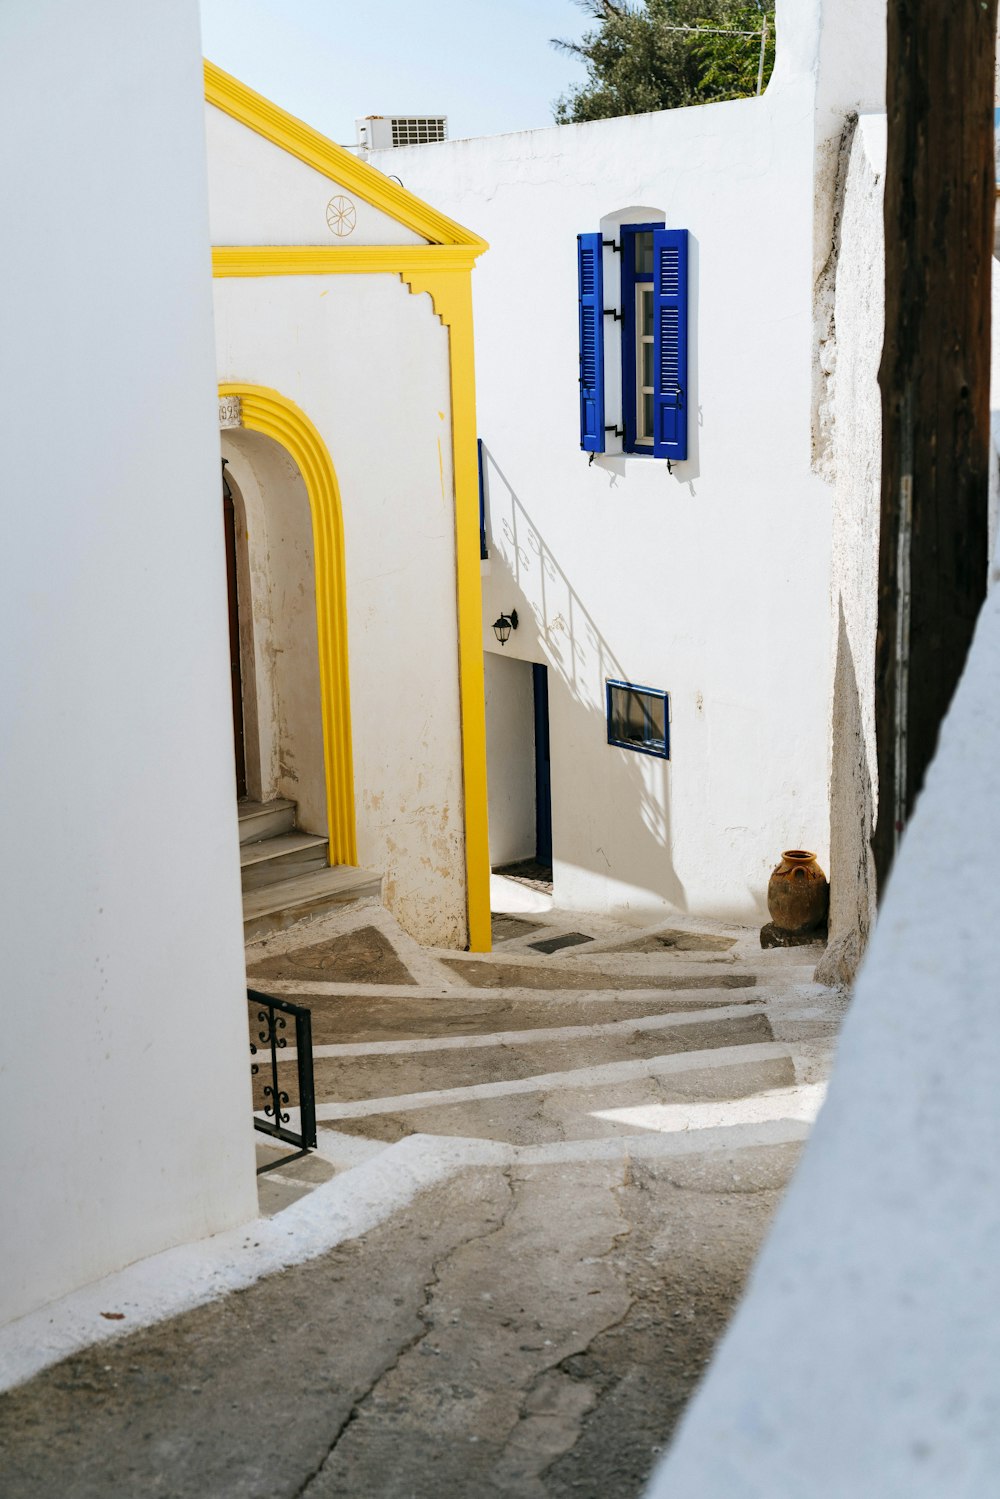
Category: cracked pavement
<point>531,1326</point>
<point>470,1350</point>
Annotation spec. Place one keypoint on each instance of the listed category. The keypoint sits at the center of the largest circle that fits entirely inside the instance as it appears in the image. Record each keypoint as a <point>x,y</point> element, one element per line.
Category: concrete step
<point>377,1019</point>
<point>544,974</point>
<point>412,1067</point>
<point>280,857</point>
<point>275,907</point>
<point>265,819</point>
<point>734,1085</point>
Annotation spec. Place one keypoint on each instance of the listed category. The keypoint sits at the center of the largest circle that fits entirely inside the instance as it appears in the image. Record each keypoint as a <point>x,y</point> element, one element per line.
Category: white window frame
<point>643,290</point>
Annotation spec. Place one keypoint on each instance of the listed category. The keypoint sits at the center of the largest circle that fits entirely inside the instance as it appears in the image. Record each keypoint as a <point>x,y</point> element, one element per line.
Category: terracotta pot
<point>797,892</point>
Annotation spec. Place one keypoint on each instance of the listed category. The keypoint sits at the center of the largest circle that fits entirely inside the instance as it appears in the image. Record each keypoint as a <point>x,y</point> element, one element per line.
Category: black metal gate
<point>273,1083</point>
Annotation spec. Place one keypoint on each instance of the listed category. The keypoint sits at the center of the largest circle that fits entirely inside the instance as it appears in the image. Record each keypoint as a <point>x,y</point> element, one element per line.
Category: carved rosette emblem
<point>230,411</point>
<point>341,216</point>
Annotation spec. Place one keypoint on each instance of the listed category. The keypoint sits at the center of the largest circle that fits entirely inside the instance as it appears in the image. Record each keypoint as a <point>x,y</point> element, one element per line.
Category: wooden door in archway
<point>235,674</point>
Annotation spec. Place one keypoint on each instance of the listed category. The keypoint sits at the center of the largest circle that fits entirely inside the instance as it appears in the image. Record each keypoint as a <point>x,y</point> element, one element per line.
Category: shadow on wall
<point>610,818</point>
<point>852,820</point>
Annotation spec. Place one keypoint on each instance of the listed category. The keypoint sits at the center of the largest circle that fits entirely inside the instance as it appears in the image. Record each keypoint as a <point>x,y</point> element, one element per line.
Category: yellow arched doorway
<point>268,412</point>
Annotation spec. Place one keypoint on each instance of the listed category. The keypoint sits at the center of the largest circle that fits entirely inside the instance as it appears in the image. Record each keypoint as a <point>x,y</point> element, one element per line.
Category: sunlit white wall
<point>711,582</point>
<point>124,1071</point>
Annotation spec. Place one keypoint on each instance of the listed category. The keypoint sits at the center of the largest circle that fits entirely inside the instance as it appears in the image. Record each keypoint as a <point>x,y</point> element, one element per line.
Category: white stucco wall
<point>863,1360</point>
<point>260,195</point>
<point>126,1097</point>
<point>854,407</point>
<point>711,582</point>
<point>510,757</point>
<point>368,363</point>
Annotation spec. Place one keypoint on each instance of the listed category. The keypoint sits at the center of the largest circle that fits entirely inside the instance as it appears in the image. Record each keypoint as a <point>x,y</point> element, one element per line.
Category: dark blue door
<point>543,778</point>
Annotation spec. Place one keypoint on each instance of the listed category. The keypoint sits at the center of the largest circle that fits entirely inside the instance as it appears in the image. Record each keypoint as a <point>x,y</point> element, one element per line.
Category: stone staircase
<point>581,1138</point>
<point>285,871</point>
<point>542,1179</point>
<point>679,1066</point>
<point>716,1041</point>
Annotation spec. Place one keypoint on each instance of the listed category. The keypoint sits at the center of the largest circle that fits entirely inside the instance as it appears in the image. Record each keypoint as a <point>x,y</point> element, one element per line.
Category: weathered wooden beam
<point>935,382</point>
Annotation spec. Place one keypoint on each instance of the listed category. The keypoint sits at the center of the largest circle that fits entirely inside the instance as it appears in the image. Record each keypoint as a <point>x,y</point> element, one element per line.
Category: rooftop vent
<point>380,132</point>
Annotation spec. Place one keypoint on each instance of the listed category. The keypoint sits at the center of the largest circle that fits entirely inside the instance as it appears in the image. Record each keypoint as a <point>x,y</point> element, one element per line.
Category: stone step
<point>265,819</point>
<point>280,857</point>
<point>747,956</point>
<point>386,1018</point>
<point>276,907</point>
<point>407,1070</point>
<point>735,1085</point>
<point>488,973</point>
<point>560,943</point>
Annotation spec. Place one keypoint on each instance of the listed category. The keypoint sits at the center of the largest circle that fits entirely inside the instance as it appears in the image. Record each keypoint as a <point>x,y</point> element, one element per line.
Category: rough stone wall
<point>850,42</point>
<point>852,411</point>
<point>832,171</point>
<point>847,439</point>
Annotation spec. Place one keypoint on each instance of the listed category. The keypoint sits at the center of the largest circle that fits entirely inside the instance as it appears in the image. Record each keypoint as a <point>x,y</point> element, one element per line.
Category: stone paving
<point>623,1115</point>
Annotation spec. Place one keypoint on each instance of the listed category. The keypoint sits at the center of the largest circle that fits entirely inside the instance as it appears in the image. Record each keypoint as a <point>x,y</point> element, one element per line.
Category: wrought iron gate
<point>272,1074</point>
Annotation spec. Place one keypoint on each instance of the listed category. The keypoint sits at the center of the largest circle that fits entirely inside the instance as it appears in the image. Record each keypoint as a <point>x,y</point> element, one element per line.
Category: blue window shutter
<point>670,343</point>
<point>590,268</point>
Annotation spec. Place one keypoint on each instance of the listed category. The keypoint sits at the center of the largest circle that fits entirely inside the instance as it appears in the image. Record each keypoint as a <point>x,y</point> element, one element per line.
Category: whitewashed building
<point>862,1361</point>
<point>344,334</point>
<point>658,508</point>
<point>340,374</point>
<point>863,1358</point>
<point>127,1097</point>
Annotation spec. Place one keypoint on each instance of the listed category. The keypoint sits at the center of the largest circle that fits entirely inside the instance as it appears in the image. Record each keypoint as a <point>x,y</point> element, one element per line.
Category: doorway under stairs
<point>518,769</point>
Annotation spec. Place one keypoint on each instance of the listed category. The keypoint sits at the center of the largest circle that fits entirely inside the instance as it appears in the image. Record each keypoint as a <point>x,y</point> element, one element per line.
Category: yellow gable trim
<point>298,139</point>
<point>328,260</point>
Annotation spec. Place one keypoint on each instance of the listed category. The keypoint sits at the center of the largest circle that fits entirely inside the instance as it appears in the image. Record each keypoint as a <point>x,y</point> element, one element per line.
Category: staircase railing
<point>270,1071</point>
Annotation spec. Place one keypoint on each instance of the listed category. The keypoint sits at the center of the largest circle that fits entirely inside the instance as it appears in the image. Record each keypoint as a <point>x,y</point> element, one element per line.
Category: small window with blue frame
<point>639,718</point>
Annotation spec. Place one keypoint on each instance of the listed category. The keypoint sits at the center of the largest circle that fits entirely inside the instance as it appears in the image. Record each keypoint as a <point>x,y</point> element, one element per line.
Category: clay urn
<point>797,892</point>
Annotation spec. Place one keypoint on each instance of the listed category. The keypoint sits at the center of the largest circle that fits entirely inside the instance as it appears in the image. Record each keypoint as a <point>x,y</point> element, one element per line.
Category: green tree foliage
<point>661,54</point>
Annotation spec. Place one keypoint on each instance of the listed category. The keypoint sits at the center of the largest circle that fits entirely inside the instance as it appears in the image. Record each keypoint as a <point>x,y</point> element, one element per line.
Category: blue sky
<point>487,66</point>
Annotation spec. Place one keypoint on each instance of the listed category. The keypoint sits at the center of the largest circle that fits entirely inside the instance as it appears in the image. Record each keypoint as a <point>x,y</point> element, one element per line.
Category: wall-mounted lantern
<point>503,626</point>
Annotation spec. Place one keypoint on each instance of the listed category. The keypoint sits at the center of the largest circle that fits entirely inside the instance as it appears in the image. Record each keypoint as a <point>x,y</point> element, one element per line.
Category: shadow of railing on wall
<point>575,647</point>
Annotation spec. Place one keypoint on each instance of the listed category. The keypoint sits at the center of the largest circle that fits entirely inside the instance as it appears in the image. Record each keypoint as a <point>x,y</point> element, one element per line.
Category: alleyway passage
<point>622,1111</point>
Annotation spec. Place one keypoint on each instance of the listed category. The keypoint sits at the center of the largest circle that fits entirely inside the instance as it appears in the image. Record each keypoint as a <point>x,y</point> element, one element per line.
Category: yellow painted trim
<point>331,260</point>
<point>269,412</point>
<point>444,272</point>
<point>283,130</point>
<point>451,294</point>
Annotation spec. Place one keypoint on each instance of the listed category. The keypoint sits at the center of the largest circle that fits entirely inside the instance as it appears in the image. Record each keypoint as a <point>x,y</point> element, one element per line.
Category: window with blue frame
<point>650,265</point>
<point>639,718</point>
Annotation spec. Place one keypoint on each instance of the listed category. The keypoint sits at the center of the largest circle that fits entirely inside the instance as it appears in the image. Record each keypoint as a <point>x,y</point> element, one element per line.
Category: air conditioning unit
<point>382,132</point>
